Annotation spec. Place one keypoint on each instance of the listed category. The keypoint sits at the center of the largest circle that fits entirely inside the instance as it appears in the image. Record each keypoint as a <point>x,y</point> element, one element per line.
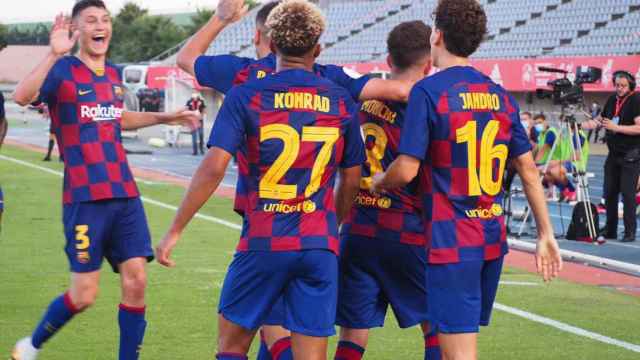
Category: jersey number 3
<point>488,153</point>
<point>270,188</point>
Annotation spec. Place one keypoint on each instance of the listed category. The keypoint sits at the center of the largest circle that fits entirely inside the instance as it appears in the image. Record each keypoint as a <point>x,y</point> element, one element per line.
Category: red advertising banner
<point>518,75</point>
<point>522,75</point>
<point>157,76</point>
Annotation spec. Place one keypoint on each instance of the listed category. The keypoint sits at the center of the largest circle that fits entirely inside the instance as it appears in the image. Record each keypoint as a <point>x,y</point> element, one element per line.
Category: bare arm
<point>60,43</point>
<point>347,190</point>
<point>548,260</point>
<point>623,129</point>
<point>393,90</point>
<point>541,151</point>
<point>228,11</point>
<point>401,171</point>
<point>132,120</point>
<point>204,183</point>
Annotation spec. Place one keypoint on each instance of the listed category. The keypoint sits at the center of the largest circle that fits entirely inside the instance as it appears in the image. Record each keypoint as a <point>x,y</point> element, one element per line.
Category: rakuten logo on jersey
<point>100,113</point>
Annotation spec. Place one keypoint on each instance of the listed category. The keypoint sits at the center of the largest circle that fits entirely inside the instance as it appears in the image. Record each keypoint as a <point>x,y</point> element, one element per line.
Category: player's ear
<point>427,67</point>
<point>317,50</point>
<point>389,62</point>
<point>436,37</point>
<point>272,46</point>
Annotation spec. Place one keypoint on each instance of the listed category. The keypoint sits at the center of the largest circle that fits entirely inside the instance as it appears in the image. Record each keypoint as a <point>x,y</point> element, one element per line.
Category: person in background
<point>44,111</point>
<point>545,138</point>
<point>595,112</point>
<point>621,118</point>
<point>196,103</point>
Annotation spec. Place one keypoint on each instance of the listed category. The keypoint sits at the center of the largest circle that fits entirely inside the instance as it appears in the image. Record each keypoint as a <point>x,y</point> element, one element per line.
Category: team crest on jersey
<point>83,257</point>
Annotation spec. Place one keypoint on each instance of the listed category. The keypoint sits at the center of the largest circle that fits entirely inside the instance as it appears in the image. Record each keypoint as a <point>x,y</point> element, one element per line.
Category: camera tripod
<point>568,130</point>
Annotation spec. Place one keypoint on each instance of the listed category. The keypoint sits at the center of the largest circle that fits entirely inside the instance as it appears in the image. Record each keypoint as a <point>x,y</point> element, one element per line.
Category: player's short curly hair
<point>463,24</point>
<point>408,43</point>
<point>295,26</point>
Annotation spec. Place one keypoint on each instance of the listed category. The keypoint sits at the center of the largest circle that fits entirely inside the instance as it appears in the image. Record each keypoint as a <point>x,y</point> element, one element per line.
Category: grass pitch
<point>182,301</point>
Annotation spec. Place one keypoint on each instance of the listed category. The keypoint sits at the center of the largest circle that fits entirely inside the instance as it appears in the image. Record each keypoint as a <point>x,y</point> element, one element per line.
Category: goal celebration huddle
<point>357,194</point>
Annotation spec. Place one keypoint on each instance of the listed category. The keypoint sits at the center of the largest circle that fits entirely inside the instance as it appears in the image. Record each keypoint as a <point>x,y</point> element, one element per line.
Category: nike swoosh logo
<point>84,92</point>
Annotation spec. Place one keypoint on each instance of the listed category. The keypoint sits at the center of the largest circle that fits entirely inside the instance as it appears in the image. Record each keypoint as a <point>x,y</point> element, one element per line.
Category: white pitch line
<point>518,283</point>
<point>567,328</point>
<point>511,310</point>
<point>144,198</point>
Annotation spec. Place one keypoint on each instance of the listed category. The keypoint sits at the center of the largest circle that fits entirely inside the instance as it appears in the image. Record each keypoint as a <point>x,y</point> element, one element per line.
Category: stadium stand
<point>517,28</point>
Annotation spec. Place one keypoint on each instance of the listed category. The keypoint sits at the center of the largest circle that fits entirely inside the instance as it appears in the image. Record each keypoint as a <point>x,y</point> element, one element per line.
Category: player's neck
<point>95,63</point>
<point>293,63</point>
<point>410,75</point>
<point>448,60</point>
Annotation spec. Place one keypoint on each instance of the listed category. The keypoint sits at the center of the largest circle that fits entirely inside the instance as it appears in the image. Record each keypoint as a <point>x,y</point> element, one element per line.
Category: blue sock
<point>560,186</point>
<point>132,326</point>
<point>432,346</point>
<point>60,311</point>
<point>349,351</point>
<point>231,356</point>
<point>281,349</point>
<point>263,353</point>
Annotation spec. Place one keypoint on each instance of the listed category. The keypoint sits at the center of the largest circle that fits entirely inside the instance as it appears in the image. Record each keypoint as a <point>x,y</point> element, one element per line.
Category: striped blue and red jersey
<point>86,117</point>
<point>299,131</point>
<point>395,215</point>
<point>464,128</point>
<point>223,72</point>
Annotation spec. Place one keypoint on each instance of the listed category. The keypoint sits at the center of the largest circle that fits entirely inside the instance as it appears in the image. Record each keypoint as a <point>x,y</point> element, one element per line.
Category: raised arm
<point>393,90</point>
<point>548,259</point>
<point>204,183</point>
<point>132,120</point>
<point>61,42</point>
<point>228,11</point>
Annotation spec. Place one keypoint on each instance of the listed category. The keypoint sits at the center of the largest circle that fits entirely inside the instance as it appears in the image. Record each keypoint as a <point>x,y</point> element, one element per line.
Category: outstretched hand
<point>231,11</point>
<point>61,39</point>
<point>187,118</point>
<point>164,249</point>
<point>548,259</point>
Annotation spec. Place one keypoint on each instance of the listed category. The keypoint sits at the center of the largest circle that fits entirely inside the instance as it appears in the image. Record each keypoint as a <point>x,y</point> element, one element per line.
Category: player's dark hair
<point>526,113</point>
<point>408,43</point>
<point>540,116</point>
<point>85,4</point>
<point>263,13</point>
<point>463,24</point>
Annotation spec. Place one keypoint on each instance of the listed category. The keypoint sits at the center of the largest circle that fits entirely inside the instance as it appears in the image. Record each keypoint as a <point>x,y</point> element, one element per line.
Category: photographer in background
<point>621,118</point>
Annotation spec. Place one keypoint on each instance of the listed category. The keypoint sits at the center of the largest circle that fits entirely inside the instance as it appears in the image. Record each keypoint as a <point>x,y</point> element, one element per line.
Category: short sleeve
<point>608,110</point>
<point>414,140</point>
<point>229,130</point>
<point>51,84</point>
<point>2,114</point>
<point>353,145</point>
<point>550,139</point>
<point>353,83</point>
<point>519,143</point>
<point>218,72</point>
